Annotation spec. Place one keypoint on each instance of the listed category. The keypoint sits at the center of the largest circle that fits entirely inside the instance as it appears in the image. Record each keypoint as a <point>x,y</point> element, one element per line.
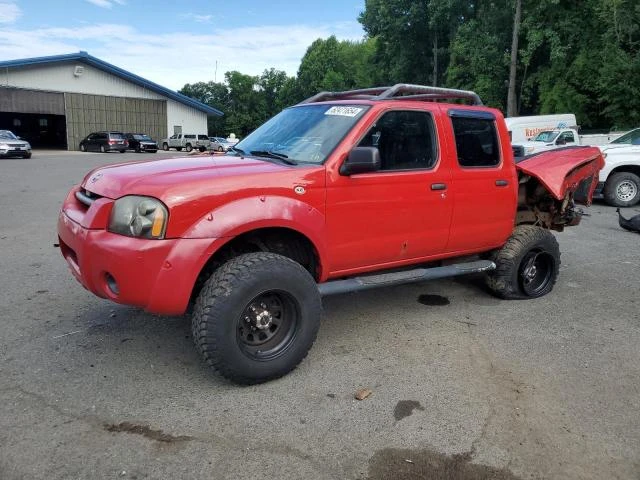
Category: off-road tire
<point>188,147</point>
<point>165,147</point>
<point>614,183</point>
<point>220,309</point>
<point>508,280</point>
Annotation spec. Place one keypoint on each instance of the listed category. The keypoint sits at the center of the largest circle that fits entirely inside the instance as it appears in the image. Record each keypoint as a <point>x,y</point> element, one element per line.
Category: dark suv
<point>104,142</point>
<point>141,142</point>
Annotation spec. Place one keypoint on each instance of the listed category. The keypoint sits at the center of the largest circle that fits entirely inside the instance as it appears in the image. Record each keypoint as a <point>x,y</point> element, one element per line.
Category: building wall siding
<point>92,113</point>
<point>190,119</point>
<point>60,78</point>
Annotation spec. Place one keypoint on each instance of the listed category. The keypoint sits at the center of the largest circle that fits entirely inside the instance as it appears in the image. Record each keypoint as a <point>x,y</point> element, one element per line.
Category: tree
<point>512,101</point>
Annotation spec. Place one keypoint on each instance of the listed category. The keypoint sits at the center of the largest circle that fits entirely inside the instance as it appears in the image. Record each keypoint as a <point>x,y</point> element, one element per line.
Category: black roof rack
<point>400,91</point>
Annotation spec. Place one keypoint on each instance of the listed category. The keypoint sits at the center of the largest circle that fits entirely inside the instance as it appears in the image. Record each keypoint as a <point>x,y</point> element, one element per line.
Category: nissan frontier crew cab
<point>344,192</point>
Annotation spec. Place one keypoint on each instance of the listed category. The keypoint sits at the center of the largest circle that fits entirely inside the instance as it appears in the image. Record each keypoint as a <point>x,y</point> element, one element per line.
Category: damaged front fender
<point>552,182</point>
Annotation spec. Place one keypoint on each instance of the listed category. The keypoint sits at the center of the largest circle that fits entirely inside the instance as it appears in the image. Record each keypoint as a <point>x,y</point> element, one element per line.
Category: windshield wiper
<point>276,155</point>
<point>236,149</point>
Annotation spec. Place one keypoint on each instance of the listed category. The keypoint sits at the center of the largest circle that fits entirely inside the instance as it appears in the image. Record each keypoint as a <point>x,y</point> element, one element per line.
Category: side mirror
<point>361,160</point>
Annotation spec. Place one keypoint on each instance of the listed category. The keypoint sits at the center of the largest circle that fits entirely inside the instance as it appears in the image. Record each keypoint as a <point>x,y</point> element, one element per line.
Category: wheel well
<point>626,168</point>
<point>283,241</point>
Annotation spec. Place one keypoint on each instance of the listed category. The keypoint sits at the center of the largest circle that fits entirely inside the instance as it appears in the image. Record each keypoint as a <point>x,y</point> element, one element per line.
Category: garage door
<point>93,113</point>
<point>31,101</point>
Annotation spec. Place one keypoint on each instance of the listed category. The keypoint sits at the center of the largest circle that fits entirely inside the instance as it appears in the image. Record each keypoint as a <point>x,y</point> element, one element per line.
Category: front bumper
<point>156,275</point>
<point>15,152</point>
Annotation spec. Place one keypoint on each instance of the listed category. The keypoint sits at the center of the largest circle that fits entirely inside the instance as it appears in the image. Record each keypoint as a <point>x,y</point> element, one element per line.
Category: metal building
<point>56,101</point>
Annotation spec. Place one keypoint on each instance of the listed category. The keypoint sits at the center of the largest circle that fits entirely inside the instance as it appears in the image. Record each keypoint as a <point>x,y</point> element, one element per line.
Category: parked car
<point>13,146</point>
<point>632,137</point>
<point>104,142</point>
<point>220,144</point>
<point>343,192</point>
<point>141,142</point>
<point>188,141</point>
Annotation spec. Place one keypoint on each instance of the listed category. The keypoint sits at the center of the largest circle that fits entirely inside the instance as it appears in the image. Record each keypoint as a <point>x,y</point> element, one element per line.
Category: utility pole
<point>512,101</point>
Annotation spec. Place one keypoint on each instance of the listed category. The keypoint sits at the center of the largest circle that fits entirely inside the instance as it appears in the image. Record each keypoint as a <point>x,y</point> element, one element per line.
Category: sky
<point>174,43</point>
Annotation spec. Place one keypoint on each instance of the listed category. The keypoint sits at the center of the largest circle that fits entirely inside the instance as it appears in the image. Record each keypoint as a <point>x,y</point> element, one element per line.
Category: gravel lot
<point>465,387</point>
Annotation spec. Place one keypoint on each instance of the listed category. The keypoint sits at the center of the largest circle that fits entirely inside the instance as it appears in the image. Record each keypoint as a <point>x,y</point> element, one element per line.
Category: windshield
<point>306,134</point>
<point>631,138</point>
<point>142,137</point>
<point>7,135</point>
<point>546,137</point>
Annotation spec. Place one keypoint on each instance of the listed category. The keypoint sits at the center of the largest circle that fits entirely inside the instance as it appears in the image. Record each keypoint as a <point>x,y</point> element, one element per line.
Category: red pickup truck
<point>343,192</point>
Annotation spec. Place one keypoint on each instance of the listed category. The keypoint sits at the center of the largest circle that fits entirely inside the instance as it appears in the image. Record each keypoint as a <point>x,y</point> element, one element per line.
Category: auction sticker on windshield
<point>344,111</point>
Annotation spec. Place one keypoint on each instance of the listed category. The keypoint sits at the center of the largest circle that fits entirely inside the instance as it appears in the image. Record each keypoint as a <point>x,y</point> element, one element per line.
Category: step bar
<point>357,284</point>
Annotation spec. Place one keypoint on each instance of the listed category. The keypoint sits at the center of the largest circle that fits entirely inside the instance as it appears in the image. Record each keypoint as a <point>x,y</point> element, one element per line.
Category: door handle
<point>501,183</point>
<point>438,186</point>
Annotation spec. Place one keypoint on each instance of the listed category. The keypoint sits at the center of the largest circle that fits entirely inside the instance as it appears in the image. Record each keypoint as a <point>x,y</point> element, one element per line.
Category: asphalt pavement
<point>463,385</point>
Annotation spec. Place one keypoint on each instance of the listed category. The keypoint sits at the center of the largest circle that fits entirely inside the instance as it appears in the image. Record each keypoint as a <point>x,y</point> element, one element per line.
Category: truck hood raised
<point>563,170</point>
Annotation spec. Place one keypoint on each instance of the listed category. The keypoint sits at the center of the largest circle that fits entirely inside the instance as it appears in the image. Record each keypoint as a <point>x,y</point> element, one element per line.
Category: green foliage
<point>578,56</point>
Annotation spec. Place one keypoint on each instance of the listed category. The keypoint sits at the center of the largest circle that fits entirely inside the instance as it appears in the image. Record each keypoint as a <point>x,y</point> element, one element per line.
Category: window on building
<point>405,139</point>
<point>476,140</point>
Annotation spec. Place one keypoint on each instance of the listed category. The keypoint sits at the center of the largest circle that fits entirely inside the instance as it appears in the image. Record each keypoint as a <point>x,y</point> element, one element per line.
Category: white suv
<point>188,141</point>
<point>13,146</point>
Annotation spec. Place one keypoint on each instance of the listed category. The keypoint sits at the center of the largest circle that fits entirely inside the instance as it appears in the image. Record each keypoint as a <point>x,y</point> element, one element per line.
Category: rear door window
<point>189,136</point>
<point>203,137</point>
<point>476,138</point>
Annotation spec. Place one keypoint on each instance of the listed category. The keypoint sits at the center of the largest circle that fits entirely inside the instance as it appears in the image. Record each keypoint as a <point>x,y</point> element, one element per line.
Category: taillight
<point>111,142</point>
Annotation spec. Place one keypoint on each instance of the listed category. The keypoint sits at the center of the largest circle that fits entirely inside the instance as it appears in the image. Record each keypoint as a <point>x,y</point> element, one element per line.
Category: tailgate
<point>566,170</point>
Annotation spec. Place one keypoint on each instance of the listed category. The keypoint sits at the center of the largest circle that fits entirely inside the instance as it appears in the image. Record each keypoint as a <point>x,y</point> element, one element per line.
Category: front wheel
<point>188,147</point>
<point>622,189</point>
<point>202,149</point>
<point>27,155</point>
<point>256,317</point>
<point>165,147</point>
<point>527,265</point>
<point>220,149</point>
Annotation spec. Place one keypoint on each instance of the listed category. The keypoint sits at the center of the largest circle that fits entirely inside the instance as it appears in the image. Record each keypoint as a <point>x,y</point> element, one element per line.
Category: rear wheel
<point>202,149</point>
<point>622,189</point>
<point>188,147</point>
<point>179,149</point>
<point>102,149</point>
<point>527,265</point>
<point>165,147</point>
<point>256,317</point>
<point>220,149</point>
<point>83,147</point>
<point>122,151</point>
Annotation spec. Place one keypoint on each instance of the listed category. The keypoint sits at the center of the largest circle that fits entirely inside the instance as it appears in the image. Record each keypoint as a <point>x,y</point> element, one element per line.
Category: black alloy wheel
<point>267,325</point>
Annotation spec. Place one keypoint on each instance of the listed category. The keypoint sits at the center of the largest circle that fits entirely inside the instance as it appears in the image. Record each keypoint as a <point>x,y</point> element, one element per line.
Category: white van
<point>522,129</point>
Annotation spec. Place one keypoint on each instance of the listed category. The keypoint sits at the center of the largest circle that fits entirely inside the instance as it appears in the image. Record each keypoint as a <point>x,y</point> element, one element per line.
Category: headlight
<point>4,146</point>
<point>141,217</point>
